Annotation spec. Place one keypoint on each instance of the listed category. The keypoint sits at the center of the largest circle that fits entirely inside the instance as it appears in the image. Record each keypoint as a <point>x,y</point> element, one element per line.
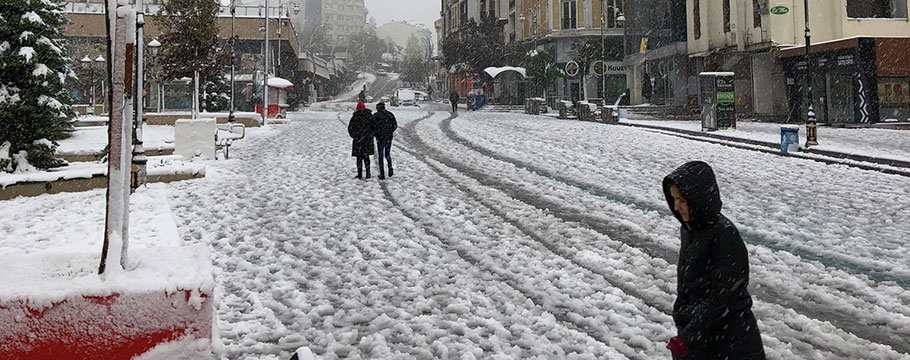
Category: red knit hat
<point>360,106</point>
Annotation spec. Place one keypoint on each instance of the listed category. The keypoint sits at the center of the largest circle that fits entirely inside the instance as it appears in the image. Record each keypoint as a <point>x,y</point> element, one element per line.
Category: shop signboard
<point>718,100</point>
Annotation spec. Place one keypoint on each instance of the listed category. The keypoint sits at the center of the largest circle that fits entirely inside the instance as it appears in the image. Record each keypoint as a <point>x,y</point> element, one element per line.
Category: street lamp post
<point>139,159</point>
<point>811,126</point>
<point>231,118</point>
<point>603,52</point>
<point>153,47</point>
<point>265,68</point>
<point>87,62</point>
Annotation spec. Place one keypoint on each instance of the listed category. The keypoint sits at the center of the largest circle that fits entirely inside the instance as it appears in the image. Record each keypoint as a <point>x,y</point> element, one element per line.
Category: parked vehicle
<point>406,97</point>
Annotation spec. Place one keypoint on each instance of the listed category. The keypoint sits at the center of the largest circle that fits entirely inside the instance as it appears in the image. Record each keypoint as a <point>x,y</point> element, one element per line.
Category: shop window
<point>696,19</point>
<point>569,14</point>
<point>872,9</point>
<point>727,27</point>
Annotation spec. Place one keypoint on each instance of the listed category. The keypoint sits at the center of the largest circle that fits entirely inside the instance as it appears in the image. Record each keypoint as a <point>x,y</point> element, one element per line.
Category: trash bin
<point>789,139</point>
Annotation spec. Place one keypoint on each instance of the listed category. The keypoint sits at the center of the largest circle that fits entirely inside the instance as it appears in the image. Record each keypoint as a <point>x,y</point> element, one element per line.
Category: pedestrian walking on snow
<point>713,308</point>
<point>453,98</point>
<point>361,130</point>
<point>385,125</point>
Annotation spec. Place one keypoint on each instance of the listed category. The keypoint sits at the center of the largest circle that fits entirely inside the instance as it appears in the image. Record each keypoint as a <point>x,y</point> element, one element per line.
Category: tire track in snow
<point>749,236</point>
<point>843,320</point>
<point>561,315</point>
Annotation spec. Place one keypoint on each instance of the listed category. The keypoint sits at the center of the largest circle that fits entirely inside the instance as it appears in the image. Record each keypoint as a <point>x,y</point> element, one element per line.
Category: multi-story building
<point>561,26</point>
<point>860,65</point>
<point>342,19</point>
<point>87,34</point>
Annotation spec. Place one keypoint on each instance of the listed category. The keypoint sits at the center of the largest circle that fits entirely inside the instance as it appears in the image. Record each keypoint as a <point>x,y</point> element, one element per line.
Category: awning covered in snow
<point>495,71</point>
<point>277,82</point>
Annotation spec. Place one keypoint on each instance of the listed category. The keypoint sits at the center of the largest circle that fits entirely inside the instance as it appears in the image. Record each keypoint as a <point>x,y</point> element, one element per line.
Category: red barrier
<point>117,326</point>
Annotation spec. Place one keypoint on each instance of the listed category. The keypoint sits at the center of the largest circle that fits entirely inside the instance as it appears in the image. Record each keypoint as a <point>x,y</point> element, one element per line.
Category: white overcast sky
<point>423,12</point>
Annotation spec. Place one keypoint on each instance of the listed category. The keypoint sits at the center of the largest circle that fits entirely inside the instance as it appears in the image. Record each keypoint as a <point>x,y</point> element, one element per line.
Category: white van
<point>406,97</point>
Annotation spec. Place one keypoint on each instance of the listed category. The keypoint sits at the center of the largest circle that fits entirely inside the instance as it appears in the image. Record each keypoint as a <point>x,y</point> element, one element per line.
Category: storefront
<point>855,81</point>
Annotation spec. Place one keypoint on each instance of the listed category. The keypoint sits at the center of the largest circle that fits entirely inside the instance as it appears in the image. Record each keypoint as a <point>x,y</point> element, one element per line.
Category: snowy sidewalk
<point>880,146</point>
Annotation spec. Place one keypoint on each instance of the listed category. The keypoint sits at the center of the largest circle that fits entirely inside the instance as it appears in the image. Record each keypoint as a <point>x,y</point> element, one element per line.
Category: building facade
<point>858,56</point>
<point>342,20</point>
<point>562,27</point>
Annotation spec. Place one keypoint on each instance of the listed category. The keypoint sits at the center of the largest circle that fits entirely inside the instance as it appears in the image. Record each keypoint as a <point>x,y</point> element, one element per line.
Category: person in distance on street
<point>453,98</point>
<point>361,129</point>
<point>713,308</point>
<point>385,124</point>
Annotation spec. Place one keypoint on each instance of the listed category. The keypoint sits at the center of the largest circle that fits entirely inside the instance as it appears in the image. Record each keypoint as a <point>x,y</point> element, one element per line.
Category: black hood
<point>696,182</point>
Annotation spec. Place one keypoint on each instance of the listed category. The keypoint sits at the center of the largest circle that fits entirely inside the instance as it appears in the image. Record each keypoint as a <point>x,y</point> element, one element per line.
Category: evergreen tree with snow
<point>190,40</point>
<point>35,109</point>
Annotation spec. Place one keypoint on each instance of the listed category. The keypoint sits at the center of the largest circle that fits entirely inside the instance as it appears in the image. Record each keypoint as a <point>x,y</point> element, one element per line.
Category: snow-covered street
<point>522,237</point>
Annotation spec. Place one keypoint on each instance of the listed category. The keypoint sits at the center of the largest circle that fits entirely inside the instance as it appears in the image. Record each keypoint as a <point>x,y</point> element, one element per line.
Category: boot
<point>390,171</point>
<point>366,163</point>
<point>360,170</point>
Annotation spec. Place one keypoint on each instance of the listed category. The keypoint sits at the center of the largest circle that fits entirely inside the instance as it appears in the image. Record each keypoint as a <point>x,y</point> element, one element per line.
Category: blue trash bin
<point>789,139</point>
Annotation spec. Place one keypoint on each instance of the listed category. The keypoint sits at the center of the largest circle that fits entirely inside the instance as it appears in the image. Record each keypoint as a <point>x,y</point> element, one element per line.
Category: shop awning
<point>495,71</point>
<point>822,47</point>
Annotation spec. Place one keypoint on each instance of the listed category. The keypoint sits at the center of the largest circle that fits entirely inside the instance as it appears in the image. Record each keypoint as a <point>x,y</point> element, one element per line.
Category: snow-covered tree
<point>190,40</point>
<point>35,109</point>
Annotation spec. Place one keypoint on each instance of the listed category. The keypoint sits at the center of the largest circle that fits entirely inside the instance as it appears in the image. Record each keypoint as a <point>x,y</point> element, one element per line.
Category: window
<point>492,9</point>
<point>866,9</point>
<point>612,10</point>
<point>569,14</point>
<point>696,19</point>
<point>463,12</point>
<point>727,16</point>
<point>483,7</point>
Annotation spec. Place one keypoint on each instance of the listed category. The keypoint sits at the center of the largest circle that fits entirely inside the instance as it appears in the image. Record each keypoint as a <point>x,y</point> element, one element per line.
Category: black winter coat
<point>385,124</point>
<point>713,308</point>
<point>361,129</point>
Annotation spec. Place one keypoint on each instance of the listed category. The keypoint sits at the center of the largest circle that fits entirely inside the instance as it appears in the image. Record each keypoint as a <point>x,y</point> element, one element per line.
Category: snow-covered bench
<point>204,138</point>
<point>225,134</point>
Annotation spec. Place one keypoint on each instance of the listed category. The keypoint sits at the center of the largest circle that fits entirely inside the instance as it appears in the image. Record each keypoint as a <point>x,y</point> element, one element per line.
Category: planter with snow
<point>54,305</point>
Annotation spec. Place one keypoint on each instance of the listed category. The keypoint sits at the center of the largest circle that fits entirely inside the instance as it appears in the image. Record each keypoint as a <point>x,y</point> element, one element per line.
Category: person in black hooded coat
<point>361,129</point>
<point>713,308</point>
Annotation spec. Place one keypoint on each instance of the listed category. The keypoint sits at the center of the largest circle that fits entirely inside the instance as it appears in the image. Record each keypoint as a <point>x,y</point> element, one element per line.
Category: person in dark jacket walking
<point>713,308</point>
<point>385,124</point>
<point>453,98</point>
<point>361,130</point>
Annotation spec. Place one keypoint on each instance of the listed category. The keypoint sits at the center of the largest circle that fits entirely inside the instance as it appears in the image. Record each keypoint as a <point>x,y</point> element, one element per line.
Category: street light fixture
<point>87,62</point>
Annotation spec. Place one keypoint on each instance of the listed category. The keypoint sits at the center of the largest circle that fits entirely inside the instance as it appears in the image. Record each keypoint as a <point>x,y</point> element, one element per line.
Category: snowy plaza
<point>505,235</point>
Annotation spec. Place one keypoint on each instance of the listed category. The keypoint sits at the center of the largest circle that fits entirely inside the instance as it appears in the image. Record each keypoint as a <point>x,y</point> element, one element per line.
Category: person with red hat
<point>361,130</point>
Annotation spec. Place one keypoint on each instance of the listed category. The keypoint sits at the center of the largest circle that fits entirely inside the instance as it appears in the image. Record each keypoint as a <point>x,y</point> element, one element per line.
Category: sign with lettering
<point>601,67</point>
<point>780,10</point>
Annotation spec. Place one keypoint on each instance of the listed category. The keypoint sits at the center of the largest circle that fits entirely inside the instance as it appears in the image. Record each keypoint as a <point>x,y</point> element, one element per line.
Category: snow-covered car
<point>406,97</point>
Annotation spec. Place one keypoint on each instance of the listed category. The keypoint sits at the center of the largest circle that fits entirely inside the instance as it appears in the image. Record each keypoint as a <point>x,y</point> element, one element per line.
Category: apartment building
<point>342,19</point>
<point>562,26</point>
<point>859,56</point>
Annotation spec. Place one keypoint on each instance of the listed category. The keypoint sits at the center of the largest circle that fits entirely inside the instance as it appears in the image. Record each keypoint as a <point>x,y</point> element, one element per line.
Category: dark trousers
<point>361,162</point>
<point>454,106</point>
<point>382,147</point>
